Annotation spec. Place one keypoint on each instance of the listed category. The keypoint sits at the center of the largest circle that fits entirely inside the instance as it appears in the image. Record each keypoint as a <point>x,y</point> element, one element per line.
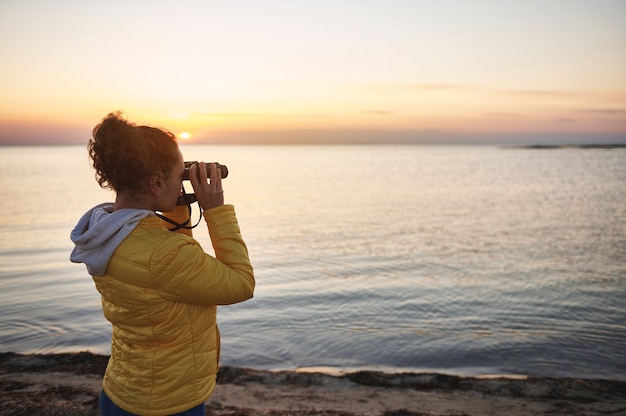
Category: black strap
<point>189,199</point>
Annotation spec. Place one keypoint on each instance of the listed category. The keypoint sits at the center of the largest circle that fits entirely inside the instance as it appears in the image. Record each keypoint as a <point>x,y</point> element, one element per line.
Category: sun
<point>184,136</point>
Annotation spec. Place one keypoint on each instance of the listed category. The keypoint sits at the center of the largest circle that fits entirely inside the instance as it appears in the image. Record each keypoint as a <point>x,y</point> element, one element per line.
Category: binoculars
<point>188,199</point>
<point>188,166</point>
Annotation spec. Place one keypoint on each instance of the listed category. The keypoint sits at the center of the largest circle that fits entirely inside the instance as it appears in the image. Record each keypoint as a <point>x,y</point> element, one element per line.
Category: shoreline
<point>69,384</point>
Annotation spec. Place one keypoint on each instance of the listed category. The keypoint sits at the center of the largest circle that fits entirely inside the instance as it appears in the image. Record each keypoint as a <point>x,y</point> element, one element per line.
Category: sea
<point>473,260</point>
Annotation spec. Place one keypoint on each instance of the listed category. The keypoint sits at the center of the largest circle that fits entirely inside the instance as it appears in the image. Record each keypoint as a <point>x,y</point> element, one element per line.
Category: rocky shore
<point>69,384</point>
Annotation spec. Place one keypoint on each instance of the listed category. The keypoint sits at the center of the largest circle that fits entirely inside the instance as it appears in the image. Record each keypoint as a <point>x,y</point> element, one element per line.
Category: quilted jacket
<point>160,292</point>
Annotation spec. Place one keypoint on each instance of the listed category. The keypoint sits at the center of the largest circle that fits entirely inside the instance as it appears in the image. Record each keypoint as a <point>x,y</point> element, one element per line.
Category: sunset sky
<point>302,71</point>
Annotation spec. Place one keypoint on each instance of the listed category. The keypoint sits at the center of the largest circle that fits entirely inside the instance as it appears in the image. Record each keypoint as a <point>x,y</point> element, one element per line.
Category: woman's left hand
<point>209,192</point>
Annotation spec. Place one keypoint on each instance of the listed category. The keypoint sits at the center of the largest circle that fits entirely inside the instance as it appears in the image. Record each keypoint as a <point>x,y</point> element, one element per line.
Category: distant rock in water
<point>571,146</point>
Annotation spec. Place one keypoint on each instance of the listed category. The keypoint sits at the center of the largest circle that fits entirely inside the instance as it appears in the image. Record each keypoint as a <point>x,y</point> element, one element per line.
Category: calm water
<point>465,260</point>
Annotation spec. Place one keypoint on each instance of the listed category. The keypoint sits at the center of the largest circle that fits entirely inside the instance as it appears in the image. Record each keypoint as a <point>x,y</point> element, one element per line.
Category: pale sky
<point>298,71</point>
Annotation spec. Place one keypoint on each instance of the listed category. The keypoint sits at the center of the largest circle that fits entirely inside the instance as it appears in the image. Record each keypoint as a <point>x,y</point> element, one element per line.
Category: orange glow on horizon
<point>321,72</point>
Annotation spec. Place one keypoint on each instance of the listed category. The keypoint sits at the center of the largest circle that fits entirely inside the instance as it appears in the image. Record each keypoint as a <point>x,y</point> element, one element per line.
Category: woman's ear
<point>155,183</point>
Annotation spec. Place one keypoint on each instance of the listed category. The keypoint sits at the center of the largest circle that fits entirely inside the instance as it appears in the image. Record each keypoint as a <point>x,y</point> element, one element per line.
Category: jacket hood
<point>99,232</point>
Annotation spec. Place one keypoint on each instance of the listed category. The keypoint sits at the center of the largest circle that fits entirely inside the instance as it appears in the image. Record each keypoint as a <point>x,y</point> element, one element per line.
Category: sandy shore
<point>69,384</point>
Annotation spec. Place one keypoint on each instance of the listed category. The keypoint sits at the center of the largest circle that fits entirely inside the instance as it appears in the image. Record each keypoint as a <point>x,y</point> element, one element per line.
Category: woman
<point>159,289</point>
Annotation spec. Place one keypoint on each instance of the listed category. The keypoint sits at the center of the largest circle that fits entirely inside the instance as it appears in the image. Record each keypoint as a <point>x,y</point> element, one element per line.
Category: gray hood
<point>99,232</point>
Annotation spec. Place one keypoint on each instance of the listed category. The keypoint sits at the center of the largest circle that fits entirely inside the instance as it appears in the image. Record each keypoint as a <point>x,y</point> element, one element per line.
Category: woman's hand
<point>209,193</point>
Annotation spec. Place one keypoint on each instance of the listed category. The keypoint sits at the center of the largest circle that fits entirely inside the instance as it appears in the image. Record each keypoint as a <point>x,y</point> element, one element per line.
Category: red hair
<point>124,155</point>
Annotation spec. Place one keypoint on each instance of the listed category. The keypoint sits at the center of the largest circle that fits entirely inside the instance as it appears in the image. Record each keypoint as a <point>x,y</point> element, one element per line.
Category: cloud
<point>32,133</point>
<point>614,100</point>
<point>422,87</point>
<point>262,115</point>
<point>327,136</point>
<point>542,93</point>
<point>409,136</point>
<point>440,87</point>
<point>616,97</point>
<point>564,120</point>
<point>604,111</point>
<point>504,115</point>
<point>378,112</point>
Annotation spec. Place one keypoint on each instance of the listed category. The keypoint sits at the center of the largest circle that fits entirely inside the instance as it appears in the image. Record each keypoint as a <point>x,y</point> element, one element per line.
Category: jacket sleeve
<point>185,273</point>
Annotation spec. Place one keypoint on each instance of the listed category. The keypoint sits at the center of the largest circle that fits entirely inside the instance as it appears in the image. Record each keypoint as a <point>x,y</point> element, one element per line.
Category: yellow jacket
<point>160,292</point>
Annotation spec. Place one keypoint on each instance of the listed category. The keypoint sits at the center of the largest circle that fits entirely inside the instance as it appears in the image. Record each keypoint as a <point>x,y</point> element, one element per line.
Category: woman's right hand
<point>209,192</point>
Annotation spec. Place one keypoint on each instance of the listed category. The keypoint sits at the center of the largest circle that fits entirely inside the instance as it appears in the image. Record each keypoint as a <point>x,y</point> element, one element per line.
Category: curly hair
<point>124,154</point>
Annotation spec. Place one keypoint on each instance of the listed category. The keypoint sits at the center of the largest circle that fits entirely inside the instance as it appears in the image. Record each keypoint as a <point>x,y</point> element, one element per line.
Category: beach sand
<point>69,384</point>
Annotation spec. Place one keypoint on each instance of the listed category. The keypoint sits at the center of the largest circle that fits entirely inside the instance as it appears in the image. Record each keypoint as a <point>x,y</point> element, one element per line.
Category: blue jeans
<point>108,408</point>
